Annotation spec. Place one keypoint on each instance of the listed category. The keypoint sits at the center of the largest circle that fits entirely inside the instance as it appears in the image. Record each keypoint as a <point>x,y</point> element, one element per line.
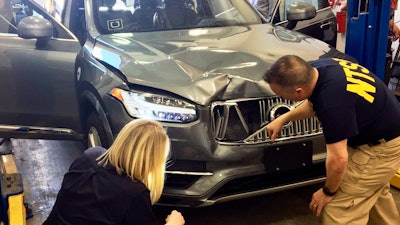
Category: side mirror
<point>35,27</point>
<point>299,11</point>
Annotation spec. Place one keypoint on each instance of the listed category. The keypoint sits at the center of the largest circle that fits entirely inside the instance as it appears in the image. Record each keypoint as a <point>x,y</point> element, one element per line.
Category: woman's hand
<point>175,218</point>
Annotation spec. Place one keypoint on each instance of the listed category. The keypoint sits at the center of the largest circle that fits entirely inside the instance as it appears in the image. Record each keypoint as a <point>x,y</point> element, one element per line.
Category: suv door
<point>323,26</point>
<point>37,83</point>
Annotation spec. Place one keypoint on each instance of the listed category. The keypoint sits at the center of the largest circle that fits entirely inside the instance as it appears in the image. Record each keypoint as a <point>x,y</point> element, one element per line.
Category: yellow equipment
<point>12,207</point>
<point>396,180</point>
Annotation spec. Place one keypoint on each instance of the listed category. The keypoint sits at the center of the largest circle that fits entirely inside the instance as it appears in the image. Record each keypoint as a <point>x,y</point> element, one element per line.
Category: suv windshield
<point>116,16</point>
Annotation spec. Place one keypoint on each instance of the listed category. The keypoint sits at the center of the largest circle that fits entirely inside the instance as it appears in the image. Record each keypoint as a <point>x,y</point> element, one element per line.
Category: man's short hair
<point>289,71</point>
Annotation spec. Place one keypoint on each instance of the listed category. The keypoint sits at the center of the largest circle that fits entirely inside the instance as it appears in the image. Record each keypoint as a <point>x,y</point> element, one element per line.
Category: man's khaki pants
<point>364,197</point>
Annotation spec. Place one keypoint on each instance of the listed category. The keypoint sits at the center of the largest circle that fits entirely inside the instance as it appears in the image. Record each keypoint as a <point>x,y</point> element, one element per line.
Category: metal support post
<point>367,33</point>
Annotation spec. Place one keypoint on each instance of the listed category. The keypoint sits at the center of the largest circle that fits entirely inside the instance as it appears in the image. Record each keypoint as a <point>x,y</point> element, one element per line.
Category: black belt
<point>387,138</point>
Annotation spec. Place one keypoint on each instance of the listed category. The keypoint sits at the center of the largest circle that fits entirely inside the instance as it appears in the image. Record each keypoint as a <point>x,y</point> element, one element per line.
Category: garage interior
<point>43,163</point>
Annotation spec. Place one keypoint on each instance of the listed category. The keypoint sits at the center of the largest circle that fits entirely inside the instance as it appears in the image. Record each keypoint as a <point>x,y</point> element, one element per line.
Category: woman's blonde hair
<point>140,150</point>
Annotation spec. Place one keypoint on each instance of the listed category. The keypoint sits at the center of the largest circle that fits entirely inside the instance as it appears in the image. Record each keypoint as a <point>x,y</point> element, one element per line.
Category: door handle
<point>326,26</point>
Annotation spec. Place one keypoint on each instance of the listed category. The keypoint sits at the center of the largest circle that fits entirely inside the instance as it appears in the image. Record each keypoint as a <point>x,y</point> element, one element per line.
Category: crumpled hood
<point>206,64</point>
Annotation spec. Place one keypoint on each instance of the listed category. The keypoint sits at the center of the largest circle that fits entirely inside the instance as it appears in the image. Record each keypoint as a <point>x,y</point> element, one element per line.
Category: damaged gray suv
<point>82,69</point>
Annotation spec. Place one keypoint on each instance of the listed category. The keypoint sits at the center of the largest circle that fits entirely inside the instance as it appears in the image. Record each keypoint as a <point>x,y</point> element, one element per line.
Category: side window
<point>5,17</point>
<point>54,11</point>
<point>313,2</point>
<point>10,14</point>
<point>13,11</point>
<point>322,4</point>
<point>77,22</point>
<point>53,7</point>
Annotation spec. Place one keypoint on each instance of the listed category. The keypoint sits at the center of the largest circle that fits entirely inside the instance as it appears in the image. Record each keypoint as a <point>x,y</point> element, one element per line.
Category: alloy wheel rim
<point>93,137</point>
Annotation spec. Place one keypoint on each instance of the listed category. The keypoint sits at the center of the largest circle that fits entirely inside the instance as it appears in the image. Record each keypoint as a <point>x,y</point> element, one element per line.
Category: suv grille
<point>245,120</point>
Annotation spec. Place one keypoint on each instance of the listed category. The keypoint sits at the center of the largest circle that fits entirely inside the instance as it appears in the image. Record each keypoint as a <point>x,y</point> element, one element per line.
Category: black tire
<point>95,134</point>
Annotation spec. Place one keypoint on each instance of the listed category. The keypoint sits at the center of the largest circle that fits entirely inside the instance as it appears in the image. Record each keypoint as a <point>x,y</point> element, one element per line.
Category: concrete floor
<point>43,163</point>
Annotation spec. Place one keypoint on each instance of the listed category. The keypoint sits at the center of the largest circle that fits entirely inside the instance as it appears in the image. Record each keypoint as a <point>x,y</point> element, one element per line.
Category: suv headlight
<point>157,107</point>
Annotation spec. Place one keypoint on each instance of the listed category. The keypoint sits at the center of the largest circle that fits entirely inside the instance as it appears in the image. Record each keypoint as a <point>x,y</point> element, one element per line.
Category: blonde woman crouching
<point>118,185</point>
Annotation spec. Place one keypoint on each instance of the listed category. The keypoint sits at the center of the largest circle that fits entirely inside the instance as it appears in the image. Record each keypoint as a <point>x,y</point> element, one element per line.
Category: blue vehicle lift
<point>367,33</point>
<point>13,210</point>
<point>367,40</point>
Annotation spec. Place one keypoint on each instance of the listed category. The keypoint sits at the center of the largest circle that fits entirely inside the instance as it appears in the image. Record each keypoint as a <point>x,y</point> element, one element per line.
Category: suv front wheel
<point>95,134</point>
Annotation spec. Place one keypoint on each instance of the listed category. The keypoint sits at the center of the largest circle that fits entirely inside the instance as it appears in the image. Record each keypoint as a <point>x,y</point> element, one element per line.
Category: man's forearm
<point>335,171</point>
<point>336,164</point>
<point>303,111</point>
